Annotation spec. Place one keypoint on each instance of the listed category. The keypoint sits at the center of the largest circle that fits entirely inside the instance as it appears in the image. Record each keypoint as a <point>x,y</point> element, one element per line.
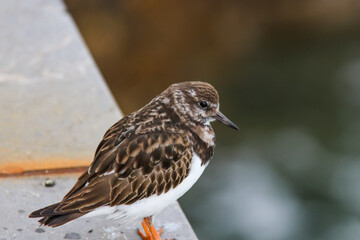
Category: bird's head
<point>198,102</point>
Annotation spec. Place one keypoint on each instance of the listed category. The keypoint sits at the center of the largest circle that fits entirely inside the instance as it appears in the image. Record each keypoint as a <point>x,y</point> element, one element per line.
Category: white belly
<point>154,204</point>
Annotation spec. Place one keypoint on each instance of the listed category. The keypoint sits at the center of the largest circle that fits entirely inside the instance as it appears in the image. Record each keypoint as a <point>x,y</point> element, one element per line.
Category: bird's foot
<point>150,231</point>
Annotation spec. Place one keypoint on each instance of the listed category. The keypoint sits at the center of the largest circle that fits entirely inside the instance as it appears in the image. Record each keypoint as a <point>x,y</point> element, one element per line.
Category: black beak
<point>223,119</point>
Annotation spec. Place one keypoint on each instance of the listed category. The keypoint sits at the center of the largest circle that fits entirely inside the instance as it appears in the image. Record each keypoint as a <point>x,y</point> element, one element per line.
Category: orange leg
<point>147,235</point>
<point>153,230</point>
<point>150,231</point>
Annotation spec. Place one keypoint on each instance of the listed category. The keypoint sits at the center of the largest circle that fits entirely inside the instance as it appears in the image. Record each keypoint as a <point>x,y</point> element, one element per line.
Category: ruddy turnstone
<point>146,161</point>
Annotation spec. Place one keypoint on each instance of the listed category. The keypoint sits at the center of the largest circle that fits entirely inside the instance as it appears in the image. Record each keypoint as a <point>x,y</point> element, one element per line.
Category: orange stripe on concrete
<point>15,167</point>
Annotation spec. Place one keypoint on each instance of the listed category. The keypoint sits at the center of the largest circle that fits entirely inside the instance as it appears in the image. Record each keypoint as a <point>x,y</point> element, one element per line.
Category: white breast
<point>154,204</point>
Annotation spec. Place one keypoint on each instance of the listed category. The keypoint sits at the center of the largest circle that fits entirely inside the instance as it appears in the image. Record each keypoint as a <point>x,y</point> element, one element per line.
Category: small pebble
<point>19,230</point>
<point>39,230</point>
<point>49,182</point>
<point>90,231</point>
<point>72,236</point>
<point>21,211</point>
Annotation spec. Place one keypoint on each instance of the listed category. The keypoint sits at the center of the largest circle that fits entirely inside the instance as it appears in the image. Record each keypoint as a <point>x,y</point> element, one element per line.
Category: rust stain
<point>19,167</point>
<point>45,172</point>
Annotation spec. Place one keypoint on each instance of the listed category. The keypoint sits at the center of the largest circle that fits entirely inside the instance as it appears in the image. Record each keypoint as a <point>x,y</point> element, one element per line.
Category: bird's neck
<point>204,142</point>
<point>205,133</point>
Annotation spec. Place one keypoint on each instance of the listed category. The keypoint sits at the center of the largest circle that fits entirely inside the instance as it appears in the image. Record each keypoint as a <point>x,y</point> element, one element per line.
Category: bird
<point>146,160</point>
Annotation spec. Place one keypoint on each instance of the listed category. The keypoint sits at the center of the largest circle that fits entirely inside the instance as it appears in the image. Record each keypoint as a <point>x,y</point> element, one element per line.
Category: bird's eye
<point>203,104</point>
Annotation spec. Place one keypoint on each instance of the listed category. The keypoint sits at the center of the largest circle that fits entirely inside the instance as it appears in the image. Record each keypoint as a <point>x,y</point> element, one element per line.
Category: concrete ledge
<point>54,104</point>
<point>20,196</point>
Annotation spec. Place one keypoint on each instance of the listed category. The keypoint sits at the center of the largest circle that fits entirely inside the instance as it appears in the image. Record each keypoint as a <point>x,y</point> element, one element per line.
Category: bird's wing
<point>104,154</point>
<point>150,164</point>
<point>142,165</point>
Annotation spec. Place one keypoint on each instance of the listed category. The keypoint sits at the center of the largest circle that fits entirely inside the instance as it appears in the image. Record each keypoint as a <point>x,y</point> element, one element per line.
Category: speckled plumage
<point>147,153</point>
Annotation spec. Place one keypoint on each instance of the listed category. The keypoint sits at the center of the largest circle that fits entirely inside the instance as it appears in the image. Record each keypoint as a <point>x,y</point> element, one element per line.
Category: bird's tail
<point>53,218</point>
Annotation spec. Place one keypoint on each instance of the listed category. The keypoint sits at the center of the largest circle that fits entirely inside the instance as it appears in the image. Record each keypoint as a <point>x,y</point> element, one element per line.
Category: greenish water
<point>293,169</point>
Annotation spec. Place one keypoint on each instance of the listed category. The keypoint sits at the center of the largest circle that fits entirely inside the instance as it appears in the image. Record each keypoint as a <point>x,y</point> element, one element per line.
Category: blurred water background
<point>288,74</point>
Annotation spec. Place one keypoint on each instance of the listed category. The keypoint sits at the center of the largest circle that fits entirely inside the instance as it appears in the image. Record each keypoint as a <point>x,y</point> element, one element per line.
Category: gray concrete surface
<point>51,93</point>
<point>20,196</point>
<point>54,109</point>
